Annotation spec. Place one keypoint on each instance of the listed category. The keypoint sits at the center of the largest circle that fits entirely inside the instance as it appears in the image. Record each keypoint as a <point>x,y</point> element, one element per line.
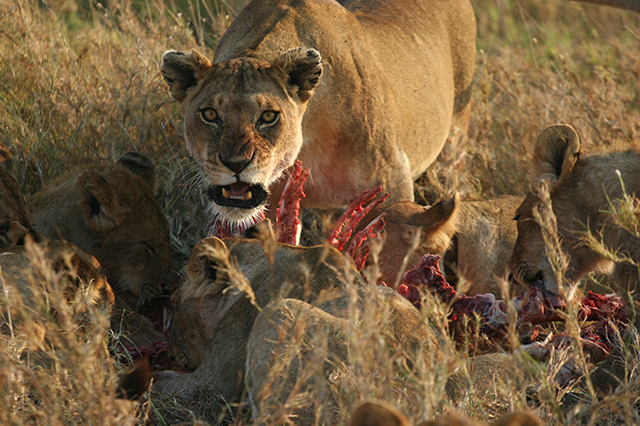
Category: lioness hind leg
<point>291,353</point>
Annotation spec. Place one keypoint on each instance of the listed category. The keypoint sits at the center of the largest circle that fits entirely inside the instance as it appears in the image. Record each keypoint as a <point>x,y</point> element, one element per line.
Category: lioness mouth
<point>237,194</point>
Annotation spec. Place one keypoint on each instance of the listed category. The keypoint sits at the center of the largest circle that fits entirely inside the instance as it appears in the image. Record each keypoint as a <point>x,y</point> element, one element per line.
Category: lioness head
<point>572,198</point>
<point>243,122</point>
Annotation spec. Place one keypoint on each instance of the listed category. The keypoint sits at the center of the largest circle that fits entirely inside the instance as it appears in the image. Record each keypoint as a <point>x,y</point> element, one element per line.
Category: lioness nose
<point>236,164</point>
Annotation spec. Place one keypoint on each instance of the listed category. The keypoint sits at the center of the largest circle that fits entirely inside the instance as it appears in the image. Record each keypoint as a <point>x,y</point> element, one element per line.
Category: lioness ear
<point>438,223</point>
<point>182,70</point>
<point>99,203</point>
<point>378,413</point>
<point>140,165</point>
<point>303,69</point>
<point>556,152</point>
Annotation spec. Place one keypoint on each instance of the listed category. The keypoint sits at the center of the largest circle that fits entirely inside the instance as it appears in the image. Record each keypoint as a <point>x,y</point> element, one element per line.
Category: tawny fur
<point>109,210</point>
<point>474,237</point>
<point>238,315</point>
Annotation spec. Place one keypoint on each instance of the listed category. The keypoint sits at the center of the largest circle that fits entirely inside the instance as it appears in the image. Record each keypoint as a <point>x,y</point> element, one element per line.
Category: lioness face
<point>243,122</point>
<point>243,130</point>
<point>530,263</point>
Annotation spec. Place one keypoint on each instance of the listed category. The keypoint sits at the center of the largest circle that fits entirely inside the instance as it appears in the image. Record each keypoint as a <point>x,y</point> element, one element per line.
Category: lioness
<point>276,321</point>
<point>583,191</point>
<point>362,92</point>
<point>474,237</point>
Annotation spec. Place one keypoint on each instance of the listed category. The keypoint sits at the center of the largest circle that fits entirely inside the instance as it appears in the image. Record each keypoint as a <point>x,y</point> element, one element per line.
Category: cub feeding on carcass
<point>474,237</point>
<point>109,210</point>
<point>584,191</point>
<point>362,92</point>
<point>278,319</point>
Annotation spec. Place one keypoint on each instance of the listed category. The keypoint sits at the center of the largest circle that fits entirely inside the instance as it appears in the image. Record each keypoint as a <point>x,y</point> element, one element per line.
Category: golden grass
<point>79,82</point>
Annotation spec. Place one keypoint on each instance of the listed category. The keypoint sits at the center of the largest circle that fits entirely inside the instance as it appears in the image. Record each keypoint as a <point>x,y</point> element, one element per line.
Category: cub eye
<point>208,115</point>
<point>268,117</point>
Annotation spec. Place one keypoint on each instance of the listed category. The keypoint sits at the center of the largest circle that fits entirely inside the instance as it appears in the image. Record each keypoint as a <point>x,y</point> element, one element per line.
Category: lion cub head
<point>109,211</point>
<point>243,122</point>
<point>403,221</point>
<point>582,193</point>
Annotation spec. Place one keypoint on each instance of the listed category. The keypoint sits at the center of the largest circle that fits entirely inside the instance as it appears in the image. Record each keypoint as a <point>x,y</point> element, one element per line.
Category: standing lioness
<point>387,79</point>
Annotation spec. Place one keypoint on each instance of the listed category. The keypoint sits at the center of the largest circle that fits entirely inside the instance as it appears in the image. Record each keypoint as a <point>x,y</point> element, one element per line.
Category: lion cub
<point>584,191</point>
<point>475,238</point>
<point>109,211</point>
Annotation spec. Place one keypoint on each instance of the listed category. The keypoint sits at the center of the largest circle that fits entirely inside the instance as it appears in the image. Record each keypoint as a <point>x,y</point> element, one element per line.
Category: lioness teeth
<point>247,196</point>
<point>225,193</point>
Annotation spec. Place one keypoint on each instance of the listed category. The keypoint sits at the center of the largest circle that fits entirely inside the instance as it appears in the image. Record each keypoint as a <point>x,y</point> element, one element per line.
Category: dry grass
<point>79,82</point>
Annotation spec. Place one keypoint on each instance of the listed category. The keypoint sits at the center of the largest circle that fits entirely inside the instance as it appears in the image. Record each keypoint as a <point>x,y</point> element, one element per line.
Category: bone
<point>359,252</point>
<point>358,209</point>
<point>288,213</point>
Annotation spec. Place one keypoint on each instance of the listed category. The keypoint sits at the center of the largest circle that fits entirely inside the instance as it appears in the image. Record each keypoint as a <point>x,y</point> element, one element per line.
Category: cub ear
<point>182,70</point>
<point>556,152</point>
<point>438,222</point>
<point>141,166</point>
<point>378,413</point>
<point>207,263</point>
<point>303,69</point>
<point>99,203</point>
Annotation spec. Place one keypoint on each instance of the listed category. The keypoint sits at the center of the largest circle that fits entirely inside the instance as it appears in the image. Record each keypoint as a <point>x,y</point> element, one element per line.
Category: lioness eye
<point>268,117</point>
<point>208,115</point>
